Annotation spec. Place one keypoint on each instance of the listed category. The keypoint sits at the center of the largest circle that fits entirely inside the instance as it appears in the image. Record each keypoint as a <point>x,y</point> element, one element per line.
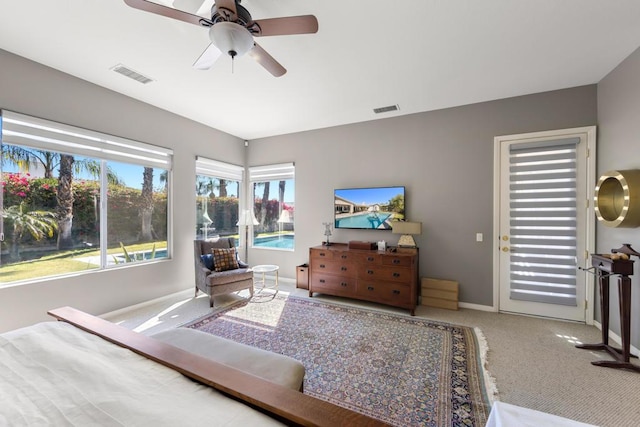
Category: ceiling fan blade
<point>169,12</point>
<point>228,9</point>
<point>263,58</point>
<point>207,58</point>
<point>191,6</point>
<point>305,24</point>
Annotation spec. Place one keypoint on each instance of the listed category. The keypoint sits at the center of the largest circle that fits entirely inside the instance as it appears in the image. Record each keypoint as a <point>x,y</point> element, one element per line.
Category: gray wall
<point>445,160</point>
<point>33,89</point>
<point>619,149</point>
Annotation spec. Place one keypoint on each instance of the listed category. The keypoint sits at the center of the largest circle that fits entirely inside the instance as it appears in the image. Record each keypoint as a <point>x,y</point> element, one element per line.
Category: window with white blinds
<point>32,132</point>
<point>276,172</point>
<point>543,222</point>
<point>209,167</point>
<point>107,198</point>
<point>273,193</point>
<point>218,187</point>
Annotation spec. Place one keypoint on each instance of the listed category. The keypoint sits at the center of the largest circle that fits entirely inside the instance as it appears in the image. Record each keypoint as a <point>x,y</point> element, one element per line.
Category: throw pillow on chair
<point>207,260</point>
<point>224,259</point>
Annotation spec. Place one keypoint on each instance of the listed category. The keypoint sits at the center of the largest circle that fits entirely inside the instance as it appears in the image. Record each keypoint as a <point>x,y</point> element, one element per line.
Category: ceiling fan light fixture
<point>231,38</point>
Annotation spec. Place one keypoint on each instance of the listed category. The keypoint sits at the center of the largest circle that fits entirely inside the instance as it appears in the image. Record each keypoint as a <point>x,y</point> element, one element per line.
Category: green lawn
<point>63,263</point>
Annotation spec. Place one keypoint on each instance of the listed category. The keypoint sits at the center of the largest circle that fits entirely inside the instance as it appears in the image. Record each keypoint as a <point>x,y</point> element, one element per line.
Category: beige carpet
<point>533,361</point>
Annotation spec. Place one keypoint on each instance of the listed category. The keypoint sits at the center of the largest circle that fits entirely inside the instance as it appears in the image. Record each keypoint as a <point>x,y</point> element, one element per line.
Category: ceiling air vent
<point>386,109</point>
<point>128,72</point>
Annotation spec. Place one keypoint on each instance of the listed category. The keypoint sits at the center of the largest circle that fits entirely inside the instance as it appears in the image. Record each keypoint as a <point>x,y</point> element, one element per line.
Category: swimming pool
<point>364,220</point>
<point>278,242</point>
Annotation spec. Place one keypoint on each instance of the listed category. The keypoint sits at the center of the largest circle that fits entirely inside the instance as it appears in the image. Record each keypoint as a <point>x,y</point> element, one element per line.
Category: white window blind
<point>218,169</point>
<point>543,222</point>
<point>277,172</point>
<point>32,132</point>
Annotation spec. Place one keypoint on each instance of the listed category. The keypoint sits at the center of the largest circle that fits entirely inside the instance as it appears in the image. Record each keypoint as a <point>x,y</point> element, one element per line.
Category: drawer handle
<point>369,271</point>
<point>396,261</point>
<point>322,254</point>
<point>370,288</point>
<point>343,284</point>
<point>343,268</point>
<point>322,281</point>
<point>343,257</point>
<point>396,292</point>
<point>396,274</point>
<point>322,266</point>
<point>370,258</point>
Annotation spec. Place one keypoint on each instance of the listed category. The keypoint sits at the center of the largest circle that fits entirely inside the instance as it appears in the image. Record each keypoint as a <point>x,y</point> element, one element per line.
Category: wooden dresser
<point>384,277</point>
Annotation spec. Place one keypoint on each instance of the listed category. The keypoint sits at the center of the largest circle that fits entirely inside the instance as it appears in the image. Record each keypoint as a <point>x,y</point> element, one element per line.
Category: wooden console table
<point>384,277</point>
<point>606,266</point>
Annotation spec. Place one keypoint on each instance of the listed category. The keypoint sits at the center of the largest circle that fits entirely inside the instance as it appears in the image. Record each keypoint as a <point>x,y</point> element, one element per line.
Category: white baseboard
<point>617,339</point>
<point>476,307</point>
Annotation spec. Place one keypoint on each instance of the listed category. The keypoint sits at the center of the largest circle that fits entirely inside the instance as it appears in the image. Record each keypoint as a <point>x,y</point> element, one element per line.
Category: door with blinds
<point>545,222</point>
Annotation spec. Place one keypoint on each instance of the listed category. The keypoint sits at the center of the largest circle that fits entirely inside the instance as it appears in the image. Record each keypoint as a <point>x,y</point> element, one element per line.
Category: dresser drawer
<point>398,260</point>
<point>386,292</point>
<point>334,267</point>
<point>386,273</point>
<point>320,254</point>
<point>371,258</point>
<point>332,284</point>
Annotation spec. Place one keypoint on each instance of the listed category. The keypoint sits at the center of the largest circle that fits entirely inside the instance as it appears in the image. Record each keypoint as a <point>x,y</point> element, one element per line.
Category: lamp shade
<point>285,217</point>
<point>231,38</point>
<point>247,218</point>
<point>405,227</point>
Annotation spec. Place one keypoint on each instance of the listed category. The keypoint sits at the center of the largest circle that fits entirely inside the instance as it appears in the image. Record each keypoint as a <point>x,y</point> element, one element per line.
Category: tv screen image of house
<point>373,208</point>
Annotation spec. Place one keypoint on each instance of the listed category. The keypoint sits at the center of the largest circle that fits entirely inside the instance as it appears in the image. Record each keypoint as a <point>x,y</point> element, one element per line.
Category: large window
<point>76,200</point>
<point>273,205</point>
<point>217,194</point>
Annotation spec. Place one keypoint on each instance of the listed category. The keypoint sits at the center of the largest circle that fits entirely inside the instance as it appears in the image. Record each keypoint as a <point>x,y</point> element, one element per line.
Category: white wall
<point>619,149</point>
<point>33,89</point>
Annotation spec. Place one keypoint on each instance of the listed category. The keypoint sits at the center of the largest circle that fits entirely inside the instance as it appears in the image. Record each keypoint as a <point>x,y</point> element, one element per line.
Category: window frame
<point>222,170</point>
<point>35,133</point>
<point>270,173</point>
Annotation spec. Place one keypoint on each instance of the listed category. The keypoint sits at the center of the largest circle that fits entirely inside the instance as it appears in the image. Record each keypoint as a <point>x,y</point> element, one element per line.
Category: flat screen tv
<point>373,208</point>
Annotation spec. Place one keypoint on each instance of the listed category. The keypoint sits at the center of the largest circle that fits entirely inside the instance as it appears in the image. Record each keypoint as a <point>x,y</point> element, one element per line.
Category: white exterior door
<point>545,222</point>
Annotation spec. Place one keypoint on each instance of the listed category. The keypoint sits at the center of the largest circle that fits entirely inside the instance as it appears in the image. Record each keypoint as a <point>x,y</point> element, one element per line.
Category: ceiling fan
<point>232,29</point>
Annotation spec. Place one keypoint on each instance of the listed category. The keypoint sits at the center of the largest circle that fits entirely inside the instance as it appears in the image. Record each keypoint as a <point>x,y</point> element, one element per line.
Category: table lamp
<point>406,229</point>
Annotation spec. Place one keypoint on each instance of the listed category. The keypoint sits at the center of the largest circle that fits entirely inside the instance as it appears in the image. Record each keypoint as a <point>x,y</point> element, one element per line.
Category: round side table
<point>261,282</point>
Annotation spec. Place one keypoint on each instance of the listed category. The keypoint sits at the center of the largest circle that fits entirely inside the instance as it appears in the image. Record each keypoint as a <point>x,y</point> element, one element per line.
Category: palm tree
<point>146,210</point>
<point>26,159</point>
<point>38,223</point>
<point>281,186</point>
<point>265,200</point>
<point>223,187</point>
<point>65,199</point>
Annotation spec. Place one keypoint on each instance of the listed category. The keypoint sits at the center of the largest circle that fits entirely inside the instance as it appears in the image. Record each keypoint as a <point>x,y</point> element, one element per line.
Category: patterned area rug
<point>399,369</point>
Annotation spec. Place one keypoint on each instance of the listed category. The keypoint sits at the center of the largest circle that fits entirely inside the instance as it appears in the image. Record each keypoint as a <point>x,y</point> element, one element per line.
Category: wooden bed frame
<point>279,402</point>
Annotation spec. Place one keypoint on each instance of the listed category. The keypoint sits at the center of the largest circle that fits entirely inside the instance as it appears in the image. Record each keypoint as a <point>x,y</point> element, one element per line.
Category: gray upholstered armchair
<point>214,282</point>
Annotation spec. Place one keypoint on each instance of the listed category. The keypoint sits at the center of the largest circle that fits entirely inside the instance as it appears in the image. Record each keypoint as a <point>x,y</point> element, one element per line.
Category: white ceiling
<point>420,54</point>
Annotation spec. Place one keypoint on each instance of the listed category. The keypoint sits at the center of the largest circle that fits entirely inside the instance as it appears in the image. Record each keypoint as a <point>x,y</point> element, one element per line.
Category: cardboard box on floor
<point>439,293</point>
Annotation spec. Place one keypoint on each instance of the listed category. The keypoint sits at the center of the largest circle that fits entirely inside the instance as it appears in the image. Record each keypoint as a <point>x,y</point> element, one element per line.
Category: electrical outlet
<point>479,237</point>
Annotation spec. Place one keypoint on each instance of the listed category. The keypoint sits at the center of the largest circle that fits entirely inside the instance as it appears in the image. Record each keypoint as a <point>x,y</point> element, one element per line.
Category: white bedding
<point>55,374</point>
